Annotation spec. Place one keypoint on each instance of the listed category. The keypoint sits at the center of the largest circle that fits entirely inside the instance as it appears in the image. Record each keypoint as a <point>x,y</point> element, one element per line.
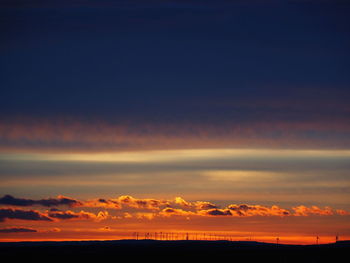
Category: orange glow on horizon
<point>176,235</point>
<point>123,216</point>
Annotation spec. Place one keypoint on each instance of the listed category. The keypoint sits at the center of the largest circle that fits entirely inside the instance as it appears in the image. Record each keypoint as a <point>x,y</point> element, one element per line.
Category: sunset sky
<point>219,118</point>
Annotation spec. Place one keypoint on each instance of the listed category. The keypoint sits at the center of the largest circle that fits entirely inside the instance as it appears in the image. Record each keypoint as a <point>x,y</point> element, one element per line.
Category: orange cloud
<point>313,210</point>
<point>257,210</point>
<point>201,205</point>
<point>215,212</point>
<point>127,215</point>
<point>152,204</point>
<point>198,205</point>
<point>82,215</point>
<point>148,216</point>
<point>182,202</point>
<point>105,203</point>
<point>159,208</point>
<point>342,212</point>
<point>168,211</point>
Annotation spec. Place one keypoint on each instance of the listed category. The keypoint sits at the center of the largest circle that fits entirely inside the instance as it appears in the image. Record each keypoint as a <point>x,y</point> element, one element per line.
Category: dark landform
<point>163,251</point>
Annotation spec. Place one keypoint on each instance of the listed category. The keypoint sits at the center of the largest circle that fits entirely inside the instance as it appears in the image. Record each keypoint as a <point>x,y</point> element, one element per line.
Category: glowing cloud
<point>313,210</point>
<point>152,204</point>
<point>215,212</point>
<point>160,208</point>
<point>82,215</point>
<point>257,210</point>
<point>175,212</point>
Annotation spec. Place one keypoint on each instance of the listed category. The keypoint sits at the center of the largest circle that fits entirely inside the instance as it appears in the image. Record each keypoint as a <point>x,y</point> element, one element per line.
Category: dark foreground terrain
<point>164,251</point>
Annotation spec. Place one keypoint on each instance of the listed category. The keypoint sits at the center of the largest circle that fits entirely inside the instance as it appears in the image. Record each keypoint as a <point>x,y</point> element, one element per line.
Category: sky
<point>227,119</point>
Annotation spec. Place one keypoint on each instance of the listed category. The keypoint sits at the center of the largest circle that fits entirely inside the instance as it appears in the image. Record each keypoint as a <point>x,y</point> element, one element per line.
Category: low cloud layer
<point>70,215</point>
<point>33,215</point>
<point>60,200</point>
<point>130,207</point>
<point>252,210</point>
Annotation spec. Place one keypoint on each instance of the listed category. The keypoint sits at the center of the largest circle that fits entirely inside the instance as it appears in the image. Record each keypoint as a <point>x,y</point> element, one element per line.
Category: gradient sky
<point>239,105</point>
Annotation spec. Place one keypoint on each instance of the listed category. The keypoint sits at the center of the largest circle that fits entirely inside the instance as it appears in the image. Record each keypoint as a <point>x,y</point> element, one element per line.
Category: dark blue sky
<point>175,60</point>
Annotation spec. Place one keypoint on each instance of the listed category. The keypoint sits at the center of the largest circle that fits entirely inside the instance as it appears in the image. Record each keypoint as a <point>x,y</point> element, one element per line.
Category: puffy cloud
<point>257,210</point>
<point>10,213</point>
<point>159,208</point>
<point>117,203</point>
<point>182,202</point>
<point>313,210</point>
<point>126,201</point>
<point>169,211</point>
<point>60,200</point>
<point>17,230</point>
<point>209,209</point>
<point>201,205</point>
<point>10,200</point>
<point>215,212</point>
<point>82,215</point>
<point>152,204</point>
<point>105,203</point>
<point>102,215</point>
<point>50,215</point>
<point>63,215</point>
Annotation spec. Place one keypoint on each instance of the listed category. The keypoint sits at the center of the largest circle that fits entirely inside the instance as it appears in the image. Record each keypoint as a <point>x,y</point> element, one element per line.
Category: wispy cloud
<point>80,136</point>
<point>17,230</point>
